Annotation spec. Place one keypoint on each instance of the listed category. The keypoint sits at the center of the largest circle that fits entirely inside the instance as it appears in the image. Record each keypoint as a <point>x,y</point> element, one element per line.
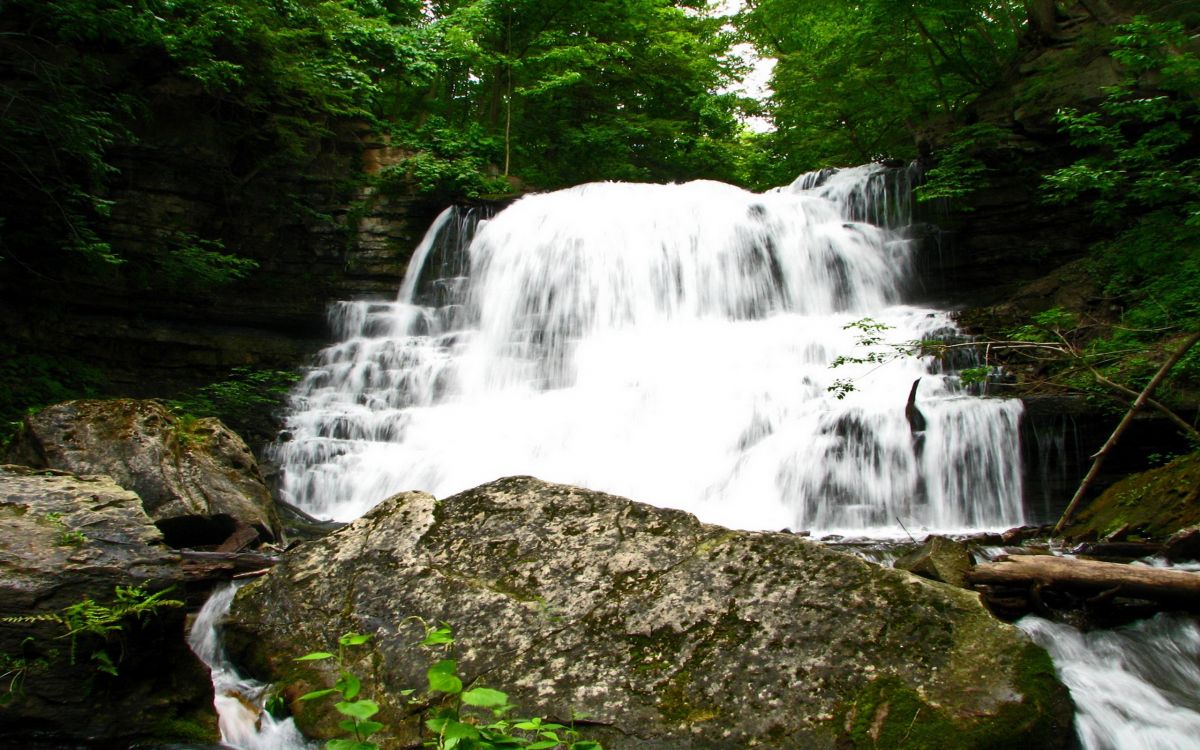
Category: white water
<point>672,344</point>
<point>1135,688</point>
<point>667,343</point>
<point>243,724</point>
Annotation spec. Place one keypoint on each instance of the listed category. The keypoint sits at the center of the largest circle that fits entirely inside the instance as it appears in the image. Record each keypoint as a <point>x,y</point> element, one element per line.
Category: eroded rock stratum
<point>663,631</point>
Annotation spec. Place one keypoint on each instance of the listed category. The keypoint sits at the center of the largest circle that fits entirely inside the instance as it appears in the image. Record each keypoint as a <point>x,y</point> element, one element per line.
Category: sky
<point>756,83</point>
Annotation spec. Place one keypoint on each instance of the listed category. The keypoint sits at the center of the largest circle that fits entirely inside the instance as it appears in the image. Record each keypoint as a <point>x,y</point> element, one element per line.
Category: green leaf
<point>457,730</point>
<point>315,656</point>
<point>586,745</point>
<point>353,639</point>
<point>438,637</point>
<point>485,698</point>
<point>443,677</point>
<point>368,727</point>
<point>349,685</point>
<point>363,709</point>
<point>543,745</point>
<point>317,694</point>
<point>349,744</point>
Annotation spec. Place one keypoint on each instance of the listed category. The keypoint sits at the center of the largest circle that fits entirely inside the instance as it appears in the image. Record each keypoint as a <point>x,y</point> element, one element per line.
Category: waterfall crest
<point>670,343</point>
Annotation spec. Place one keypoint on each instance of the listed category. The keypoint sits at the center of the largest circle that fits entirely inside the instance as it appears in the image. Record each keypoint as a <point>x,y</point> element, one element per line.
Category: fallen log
<point>202,566</point>
<point>1090,577</point>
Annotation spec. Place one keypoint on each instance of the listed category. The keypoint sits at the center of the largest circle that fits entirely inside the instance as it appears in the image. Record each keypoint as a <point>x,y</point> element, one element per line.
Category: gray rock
<point>664,632</point>
<point>939,558</point>
<point>178,468</point>
<point>64,538</point>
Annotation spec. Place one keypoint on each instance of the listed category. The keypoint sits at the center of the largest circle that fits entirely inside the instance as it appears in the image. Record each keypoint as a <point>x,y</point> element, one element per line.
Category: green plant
<point>960,169</point>
<point>464,718</point>
<point>1140,142</point>
<point>66,537</point>
<point>15,669</point>
<point>238,400</point>
<point>358,711</point>
<point>31,380</point>
<point>86,619</point>
<point>186,429</point>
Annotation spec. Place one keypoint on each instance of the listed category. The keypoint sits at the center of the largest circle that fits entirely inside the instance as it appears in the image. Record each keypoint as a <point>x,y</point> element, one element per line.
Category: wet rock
<point>663,631</point>
<point>938,559</point>
<point>178,467</point>
<point>1183,545</point>
<point>63,539</point>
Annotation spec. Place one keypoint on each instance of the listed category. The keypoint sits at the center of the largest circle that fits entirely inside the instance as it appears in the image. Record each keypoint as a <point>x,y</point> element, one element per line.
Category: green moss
<point>1045,711</point>
<point>200,727</point>
<point>1153,504</point>
<point>663,650</point>
<point>887,713</point>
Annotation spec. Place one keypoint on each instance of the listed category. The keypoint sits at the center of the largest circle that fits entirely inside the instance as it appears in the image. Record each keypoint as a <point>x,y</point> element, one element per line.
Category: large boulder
<point>63,540</point>
<point>938,558</point>
<point>662,631</point>
<point>182,468</point>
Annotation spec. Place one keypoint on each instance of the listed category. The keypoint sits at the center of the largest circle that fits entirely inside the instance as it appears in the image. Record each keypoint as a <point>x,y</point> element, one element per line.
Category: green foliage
<point>563,92</point>
<point>30,381</point>
<point>465,718</point>
<point>1046,326</point>
<point>358,711</point>
<point>960,170</point>
<point>855,80</point>
<point>82,76</point>
<point>878,351</point>
<point>193,263</point>
<point>1140,173</point>
<point>15,669</point>
<point>240,400</point>
<point>86,621</point>
<point>66,537</point>
<point>1140,143</point>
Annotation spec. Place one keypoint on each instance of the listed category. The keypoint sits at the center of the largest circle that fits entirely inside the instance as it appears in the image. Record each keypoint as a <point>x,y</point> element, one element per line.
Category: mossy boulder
<point>663,631</point>
<point>938,558</point>
<point>180,467</point>
<point>1151,505</point>
<point>64,538</point>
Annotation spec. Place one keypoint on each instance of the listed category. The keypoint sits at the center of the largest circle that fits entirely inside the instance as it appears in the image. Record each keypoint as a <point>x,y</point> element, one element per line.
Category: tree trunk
<point>1175,587</point>
<point>1043,19</point>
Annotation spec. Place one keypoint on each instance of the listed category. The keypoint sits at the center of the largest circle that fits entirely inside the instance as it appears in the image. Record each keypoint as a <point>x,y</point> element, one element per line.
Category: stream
<point>744,357</point>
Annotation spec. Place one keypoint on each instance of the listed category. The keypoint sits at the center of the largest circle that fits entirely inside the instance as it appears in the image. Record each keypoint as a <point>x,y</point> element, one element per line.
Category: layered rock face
<point>314,237</point>
<point>64,538</point>
<point>178,468</point>
<point>662,631</point>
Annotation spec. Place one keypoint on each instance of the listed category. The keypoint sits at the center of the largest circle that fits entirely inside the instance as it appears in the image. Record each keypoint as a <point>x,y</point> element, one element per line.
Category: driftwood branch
<point>1092,578</point>
<point>217,565</point>
<point>1134,408</point>
<point>1157,405</point>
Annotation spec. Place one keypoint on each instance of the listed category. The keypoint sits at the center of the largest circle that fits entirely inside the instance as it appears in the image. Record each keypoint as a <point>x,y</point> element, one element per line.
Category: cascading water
<point>243,723</point>
<point>1137,688</point>
<point>670,343</point>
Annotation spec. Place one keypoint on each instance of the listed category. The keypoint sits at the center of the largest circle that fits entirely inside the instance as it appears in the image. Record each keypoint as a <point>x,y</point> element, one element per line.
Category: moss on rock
<point>1151,505</point>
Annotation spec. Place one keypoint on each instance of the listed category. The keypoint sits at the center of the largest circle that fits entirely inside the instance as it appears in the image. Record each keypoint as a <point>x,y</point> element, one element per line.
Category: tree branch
<point>1098,458</point>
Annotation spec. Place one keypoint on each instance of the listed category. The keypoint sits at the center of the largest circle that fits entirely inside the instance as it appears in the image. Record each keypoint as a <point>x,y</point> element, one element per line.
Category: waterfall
<point>1134,688</point>
<point>238,700</point>
<point>669,343</point>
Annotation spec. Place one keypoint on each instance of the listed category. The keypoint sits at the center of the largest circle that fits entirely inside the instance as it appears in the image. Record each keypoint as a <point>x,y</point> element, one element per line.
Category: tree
<point>855,81</point>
